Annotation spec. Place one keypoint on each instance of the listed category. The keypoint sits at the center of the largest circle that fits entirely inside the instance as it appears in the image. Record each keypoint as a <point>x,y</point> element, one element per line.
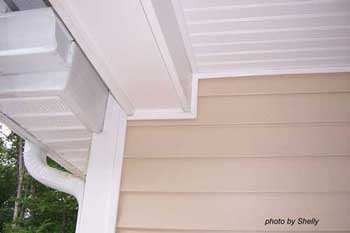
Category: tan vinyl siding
<point>274,146</point>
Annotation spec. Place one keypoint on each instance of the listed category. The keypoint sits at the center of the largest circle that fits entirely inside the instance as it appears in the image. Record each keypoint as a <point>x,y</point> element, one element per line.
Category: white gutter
<point>36,164</point>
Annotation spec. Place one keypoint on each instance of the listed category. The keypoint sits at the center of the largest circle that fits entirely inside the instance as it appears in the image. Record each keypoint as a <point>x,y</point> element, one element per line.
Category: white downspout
<point>35,162</point>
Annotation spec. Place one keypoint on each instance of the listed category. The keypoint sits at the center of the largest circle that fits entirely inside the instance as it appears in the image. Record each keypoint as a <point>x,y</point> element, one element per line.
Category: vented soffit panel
<point>42,72</point>
<point>253,37</point>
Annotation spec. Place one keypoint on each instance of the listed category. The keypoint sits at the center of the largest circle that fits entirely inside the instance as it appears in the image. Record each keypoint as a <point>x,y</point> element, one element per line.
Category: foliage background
<point>40,209</point>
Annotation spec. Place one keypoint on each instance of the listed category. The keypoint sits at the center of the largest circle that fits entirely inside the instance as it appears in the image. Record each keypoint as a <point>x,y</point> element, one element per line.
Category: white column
<point>98,212</point>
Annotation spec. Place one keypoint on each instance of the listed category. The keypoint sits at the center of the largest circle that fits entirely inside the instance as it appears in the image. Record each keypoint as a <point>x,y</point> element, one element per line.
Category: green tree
<point>27,206</point>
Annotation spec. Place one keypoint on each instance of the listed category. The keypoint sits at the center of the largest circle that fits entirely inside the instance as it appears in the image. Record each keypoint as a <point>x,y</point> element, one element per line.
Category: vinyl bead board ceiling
<point>249,36</point>
<point>261,147</point>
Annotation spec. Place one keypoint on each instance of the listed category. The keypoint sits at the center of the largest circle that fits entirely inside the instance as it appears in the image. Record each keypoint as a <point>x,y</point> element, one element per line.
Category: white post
<point>98,212</point>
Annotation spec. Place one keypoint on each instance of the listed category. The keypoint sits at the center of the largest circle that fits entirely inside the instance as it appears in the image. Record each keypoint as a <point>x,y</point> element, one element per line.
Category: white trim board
<point>98,212</point>
<point>244,73</point>
<point>171,114</point>
<point>170,44</point>
<point>88,45</point>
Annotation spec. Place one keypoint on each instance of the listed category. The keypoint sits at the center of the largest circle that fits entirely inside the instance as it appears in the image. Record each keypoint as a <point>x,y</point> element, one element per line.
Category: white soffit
<point>140,58</point>
<point>257,37</point>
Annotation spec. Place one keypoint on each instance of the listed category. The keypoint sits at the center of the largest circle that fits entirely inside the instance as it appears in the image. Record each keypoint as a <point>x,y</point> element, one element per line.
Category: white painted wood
<point>170,114</point>
<point>255,72</point>
<point>33,42</point>
<point>32,84</point>
<point>272,36</point>
<point>263,10</point>
<point>87,103</point>
<point>192,5</point>
<point>243,38</point>
<point>161,17</point>
<point>250,46</point>
<point>48,88</point>
<point>274,54</point>
<point>134,62</point>
<point>300,22</point>
<point>184,30</point>
<point>277,64</point>
<point>101,196</point>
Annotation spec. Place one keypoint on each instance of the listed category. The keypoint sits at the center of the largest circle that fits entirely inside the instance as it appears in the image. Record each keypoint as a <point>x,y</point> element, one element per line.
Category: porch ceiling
<point>151,52</point>
<point>259,37</point>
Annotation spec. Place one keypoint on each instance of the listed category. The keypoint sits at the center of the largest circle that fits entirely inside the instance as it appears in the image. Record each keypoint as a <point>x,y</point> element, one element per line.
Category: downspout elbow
<point>36,164</point>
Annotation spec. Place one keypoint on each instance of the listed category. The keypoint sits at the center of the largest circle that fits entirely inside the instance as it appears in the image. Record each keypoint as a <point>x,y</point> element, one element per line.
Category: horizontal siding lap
<point>328,174</point>
<point>232,211</point>
<point>242,141</point>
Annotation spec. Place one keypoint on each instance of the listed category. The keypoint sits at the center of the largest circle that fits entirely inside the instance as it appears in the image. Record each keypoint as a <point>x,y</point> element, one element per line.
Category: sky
<point>4,130</point>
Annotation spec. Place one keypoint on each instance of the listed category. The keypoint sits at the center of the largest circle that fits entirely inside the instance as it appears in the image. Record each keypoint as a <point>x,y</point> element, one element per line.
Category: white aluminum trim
<point>85,40</point>
<point>171,114</point>
<point>262,72</point>
<point>184,33</point>
<point>101,196</point>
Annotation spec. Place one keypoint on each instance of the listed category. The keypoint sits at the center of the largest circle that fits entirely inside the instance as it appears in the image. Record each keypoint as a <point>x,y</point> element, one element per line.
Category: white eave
<point>41,95</point>
<point>150,53</point>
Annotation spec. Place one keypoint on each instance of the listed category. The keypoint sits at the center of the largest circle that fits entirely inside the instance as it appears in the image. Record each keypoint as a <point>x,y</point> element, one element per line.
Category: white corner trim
<point>86,42</point>
<point>171,113</point>
<point>99,208</point>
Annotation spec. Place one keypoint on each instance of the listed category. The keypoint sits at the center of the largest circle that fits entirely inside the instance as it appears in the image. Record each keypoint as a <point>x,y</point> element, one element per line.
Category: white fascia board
<point>261,72</point>
<point>86,41</point>
<point>142,60</point>
<point>171,114</point>
<point>162,19</point>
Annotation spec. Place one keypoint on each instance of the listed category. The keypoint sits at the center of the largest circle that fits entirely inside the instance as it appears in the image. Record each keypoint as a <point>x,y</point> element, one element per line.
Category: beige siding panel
<point>261,147</point>
<point>235,212</point>
<point>239,141</point>
<point>278,84</point>
<point>267,109</point>
<point>237,175</point>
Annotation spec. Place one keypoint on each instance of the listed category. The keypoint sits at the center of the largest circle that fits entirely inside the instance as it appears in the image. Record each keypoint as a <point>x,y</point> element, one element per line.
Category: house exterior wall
<point>261,147</point>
